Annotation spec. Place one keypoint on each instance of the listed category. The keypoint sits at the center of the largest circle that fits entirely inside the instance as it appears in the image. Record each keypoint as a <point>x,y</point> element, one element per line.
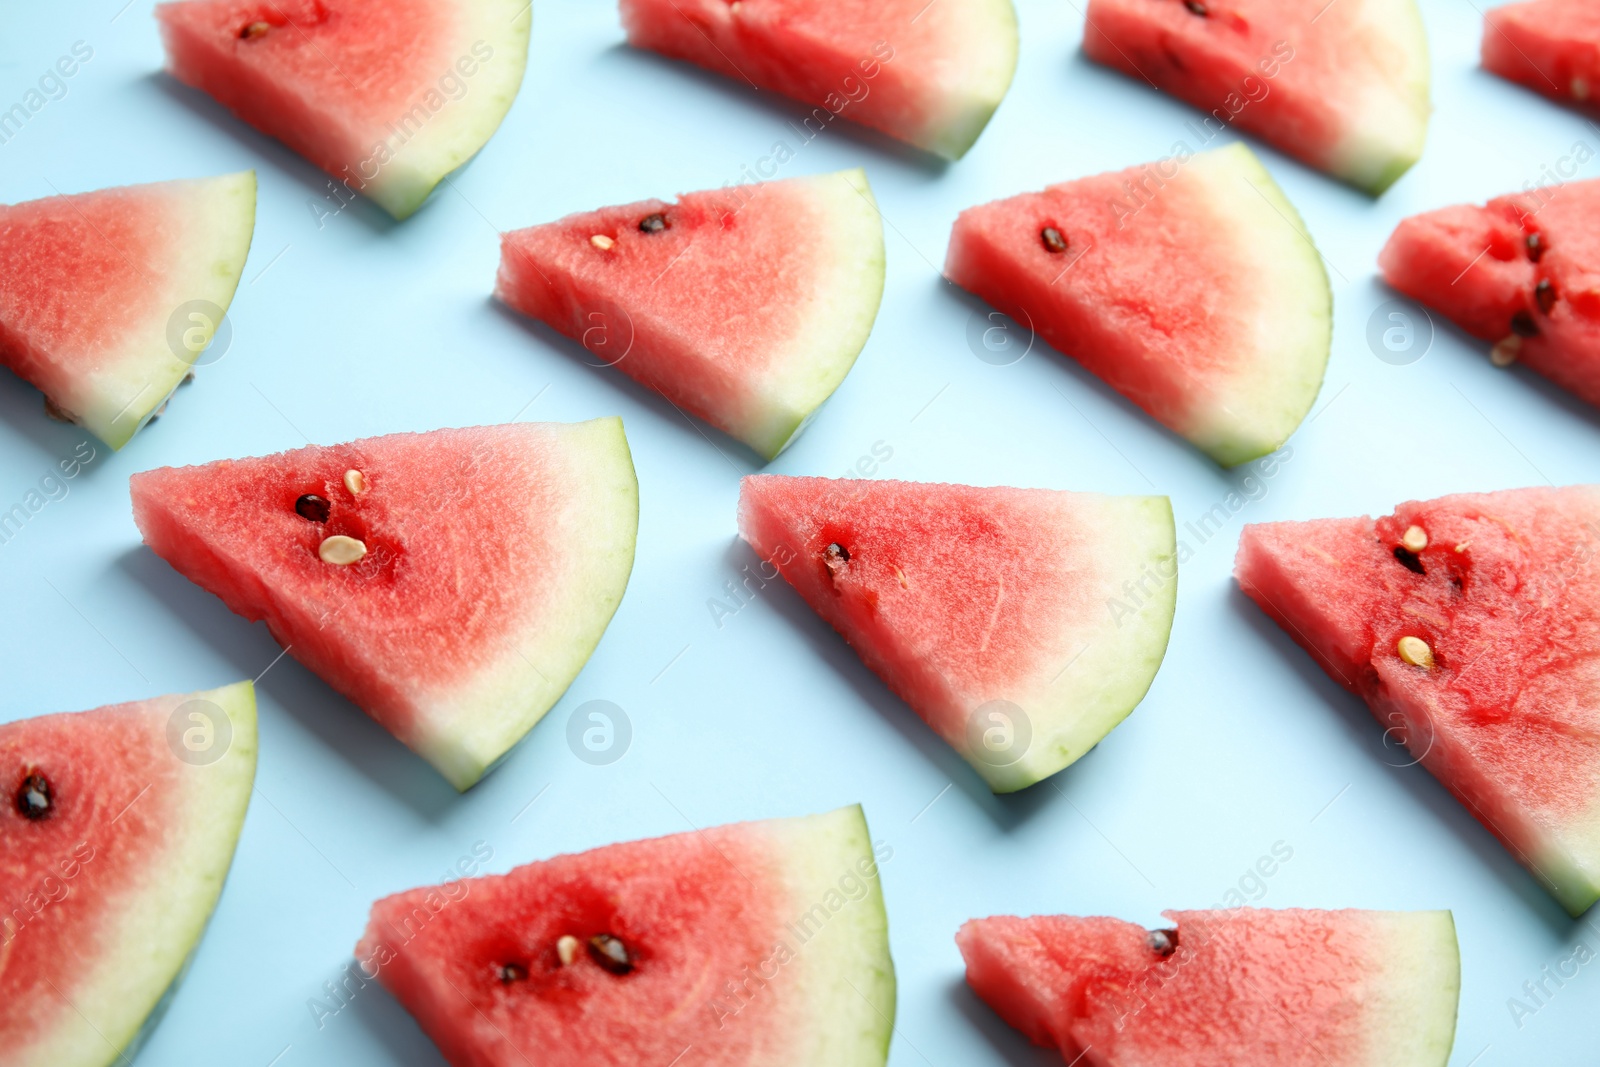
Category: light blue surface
<point>363,326</point>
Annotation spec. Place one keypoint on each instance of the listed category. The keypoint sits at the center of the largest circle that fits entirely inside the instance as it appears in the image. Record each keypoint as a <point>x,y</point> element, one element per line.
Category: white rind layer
<point>149,940</point>
<point>1420,962</point>
<point>464,729</point>
<point>1389,112</point>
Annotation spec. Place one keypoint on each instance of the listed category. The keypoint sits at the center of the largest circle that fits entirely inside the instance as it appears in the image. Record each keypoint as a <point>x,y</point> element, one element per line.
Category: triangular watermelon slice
<point>108,299</point>
<point>1342,86</point>
<point>1021,624</point>
<point>1244,987</point>
<point>451,584</point>
<point>744,306</point>
<point>1522,271</point>
<point>1550,46</point>
<point>930,74</point>
<point>1469,625</point>
<point>757,943</point>
<point>117,829</point>
<point>387,96</point>
<point>1189,286</point>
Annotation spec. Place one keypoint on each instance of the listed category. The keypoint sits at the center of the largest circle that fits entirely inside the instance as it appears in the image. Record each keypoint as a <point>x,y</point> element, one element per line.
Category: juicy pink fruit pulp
<point>1483,267</point>
<point>1507,717</point>
<point>1550,46</point>
<point>694,911</point>
<point>115,789</point>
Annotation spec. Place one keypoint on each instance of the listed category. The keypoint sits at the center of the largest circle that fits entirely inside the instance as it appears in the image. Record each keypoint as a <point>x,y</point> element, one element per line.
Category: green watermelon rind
<point>1374,158</point>
<point>148,971</point>
<point>442,147</point>
<point>1424,969</point>
<point>1117,668</point>
<point>1302,329</point>
<point>137,383</point>
<point>839,320</point>
<point>489,716</point>
<point>993,35</point>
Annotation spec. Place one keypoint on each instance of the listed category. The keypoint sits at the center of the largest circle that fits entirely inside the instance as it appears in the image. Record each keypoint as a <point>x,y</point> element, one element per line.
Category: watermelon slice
<point>108,299</point>
<point>1021,624</point>
<point>928,74</point>
<point>1237,986</point>
<point>1341,86</point>
<point>117,830</point>
<point>451,584</point>
<point>1188,285</point>
<point>744,306</point>
<point>1522,271</point>
<point>1471,627</point>
<point>758,943</point>
<point>387,96</point>
<point>1550,46</point>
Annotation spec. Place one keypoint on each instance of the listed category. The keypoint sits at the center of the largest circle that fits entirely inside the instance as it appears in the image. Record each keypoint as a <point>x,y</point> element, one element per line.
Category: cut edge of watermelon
<point>989,30</point>
<point>1295,328</point>
<point>841,319</point>
<point>220,225</point>
<point>474,727</point>
<point>440,148</point>
<point>150,952</point>
<point>1381,149</point>
<point>1111,676</point>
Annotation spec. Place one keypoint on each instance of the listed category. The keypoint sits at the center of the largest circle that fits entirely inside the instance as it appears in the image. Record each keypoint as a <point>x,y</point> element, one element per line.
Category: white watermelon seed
<point>602,242</point>
<point>1580,88</point>
<point>341,550</point>
<point>1415,539</point>
<point>1415,651</point>
<point>1506,352</point>
<point>355,481</point>
<point>567,948</point>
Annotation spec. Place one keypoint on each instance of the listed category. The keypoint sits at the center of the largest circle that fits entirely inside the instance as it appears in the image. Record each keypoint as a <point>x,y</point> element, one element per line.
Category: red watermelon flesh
<point>1244,986</point>
<point>386,96</point>
<point>757,943</point>
<point>744,306</point>
<point>1550,46</point>
<point>1522,271</point>
<point>108,299</point>
<point>1508,715</point>
<point>117,829</point>
<point>1341,86</point>
<point>1187,285</point>
<point>494,559</point>
<point>1021,624</point>
<point>928,74</point>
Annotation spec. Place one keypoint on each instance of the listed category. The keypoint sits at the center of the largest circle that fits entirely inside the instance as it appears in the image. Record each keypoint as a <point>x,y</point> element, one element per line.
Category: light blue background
<point>363,326</point>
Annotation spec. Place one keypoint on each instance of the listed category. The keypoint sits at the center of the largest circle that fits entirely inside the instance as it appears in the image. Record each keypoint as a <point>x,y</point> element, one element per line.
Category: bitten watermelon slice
<point>1236,986</point>
<point>1342,86</point>
<point>451,584</point>
<point>758,943</point>
<point>1522,271</point>
<point>1021,624</point>
<point>1188,285</point>
<point>744,306</point>
<point>1470,626</point>
<point>108,299</point>
<point>387,96</point>
<point>117,830</point>
<point>1550,46</point>
<point>928,74</point>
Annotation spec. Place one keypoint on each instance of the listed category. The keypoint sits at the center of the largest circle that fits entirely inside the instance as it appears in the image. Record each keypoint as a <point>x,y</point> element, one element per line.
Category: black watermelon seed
<point>512,972</point>
<point>1053,240</point>
<point>610,953</point>
<point>1196,8</point>
<point>1162,942</point>
<point>1408,559</point>
<point>1545,293</point>
<point>1522,325</point>
<point>1535,247</point>
<point>35,798</point>
<point>653,223</point>
<point>313,507</point>
<point>251,30</point>
<point>834,557</point>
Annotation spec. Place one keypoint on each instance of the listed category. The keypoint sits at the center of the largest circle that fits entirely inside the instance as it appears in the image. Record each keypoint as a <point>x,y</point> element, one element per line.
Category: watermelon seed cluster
<point>35,798</point>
